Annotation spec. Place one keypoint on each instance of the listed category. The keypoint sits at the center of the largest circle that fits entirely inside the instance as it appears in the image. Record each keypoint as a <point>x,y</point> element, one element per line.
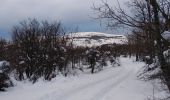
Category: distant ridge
<point>89,39</point>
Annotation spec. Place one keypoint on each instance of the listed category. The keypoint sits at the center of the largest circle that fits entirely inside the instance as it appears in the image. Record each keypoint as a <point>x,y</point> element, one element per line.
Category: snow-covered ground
<point>113,83</point>
<point>89,39</point>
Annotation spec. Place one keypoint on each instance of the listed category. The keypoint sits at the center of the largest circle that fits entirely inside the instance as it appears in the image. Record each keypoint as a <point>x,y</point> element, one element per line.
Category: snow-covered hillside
<point>89,39</point>
<point>113,83</point>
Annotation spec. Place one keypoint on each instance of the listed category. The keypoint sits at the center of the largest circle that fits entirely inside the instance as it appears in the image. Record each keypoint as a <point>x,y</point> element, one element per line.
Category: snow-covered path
<point>113,83</point>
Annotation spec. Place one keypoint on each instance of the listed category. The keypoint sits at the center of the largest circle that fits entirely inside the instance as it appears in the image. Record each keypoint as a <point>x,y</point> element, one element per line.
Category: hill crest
<point>89,39</point>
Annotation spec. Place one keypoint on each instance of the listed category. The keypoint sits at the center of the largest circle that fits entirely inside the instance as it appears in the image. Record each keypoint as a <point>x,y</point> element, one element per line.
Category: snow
<point>167,55</point>
<point>166,35</point>
<point>3,64</point>
<point>89,39</point>
<point>89,34</point>
<point>113,83</point>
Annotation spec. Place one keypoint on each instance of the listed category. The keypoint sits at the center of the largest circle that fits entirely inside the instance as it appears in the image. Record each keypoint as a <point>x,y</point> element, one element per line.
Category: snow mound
<point>89,39</point>
<point>166,35</point>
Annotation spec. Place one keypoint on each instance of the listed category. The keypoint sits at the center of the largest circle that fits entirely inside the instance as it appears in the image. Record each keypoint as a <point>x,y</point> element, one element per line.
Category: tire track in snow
<point>72,92</point>
<point>108,88</point>
<point>104,86</point>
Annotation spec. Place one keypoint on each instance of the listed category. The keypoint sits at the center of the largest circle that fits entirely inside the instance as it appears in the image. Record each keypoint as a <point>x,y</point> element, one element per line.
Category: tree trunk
<point>159,43</point>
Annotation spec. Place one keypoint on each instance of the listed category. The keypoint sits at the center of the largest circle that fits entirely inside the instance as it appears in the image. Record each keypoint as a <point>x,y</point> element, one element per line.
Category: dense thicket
<point>149,19</point>
<point>4,66</point>
<point>3,43</point>
<point>38,50</point>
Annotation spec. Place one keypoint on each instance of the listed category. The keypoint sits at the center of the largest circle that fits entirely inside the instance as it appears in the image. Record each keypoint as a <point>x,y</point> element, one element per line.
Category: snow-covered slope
<point>113,83</point>
<point>90,39</point>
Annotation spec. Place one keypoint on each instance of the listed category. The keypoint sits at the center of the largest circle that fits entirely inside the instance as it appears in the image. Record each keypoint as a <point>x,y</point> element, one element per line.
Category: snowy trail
<point>119,83</point>
<point>100,86</point>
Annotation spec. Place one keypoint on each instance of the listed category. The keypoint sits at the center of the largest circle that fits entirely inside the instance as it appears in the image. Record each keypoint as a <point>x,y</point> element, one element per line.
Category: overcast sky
<point>72,13</point>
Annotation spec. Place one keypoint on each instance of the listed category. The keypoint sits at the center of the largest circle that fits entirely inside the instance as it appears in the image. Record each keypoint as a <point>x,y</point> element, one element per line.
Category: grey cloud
<point>68,11</point>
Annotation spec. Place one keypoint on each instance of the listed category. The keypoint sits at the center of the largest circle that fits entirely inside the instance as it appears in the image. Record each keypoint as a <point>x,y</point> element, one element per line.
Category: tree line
<point>40,49</point>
